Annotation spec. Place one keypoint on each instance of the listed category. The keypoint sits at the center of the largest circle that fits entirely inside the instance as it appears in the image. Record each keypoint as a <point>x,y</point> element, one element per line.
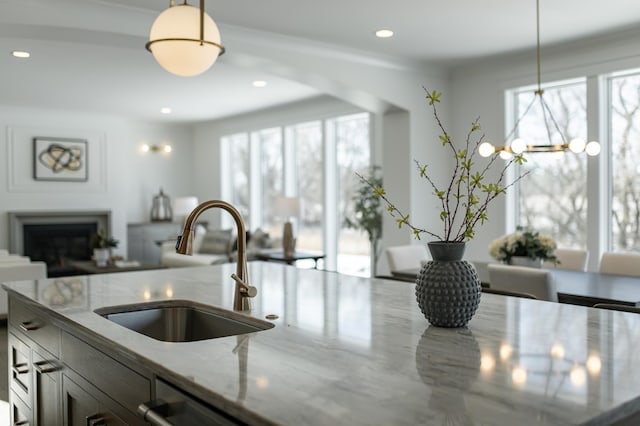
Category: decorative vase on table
<point>525,261</point>
<point>101,256</point>
<point>448,288</point>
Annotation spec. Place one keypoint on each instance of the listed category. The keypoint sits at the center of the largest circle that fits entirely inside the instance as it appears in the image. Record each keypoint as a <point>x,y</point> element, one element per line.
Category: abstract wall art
<point>60,159</point>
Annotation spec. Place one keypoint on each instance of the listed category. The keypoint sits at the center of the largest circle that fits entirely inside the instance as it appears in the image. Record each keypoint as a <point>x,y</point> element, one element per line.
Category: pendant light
<point>184,40</point>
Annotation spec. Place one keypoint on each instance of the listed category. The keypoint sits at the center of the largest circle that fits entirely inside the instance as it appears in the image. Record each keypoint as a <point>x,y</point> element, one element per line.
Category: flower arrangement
<point>524,243</point>
<point>465,196</point>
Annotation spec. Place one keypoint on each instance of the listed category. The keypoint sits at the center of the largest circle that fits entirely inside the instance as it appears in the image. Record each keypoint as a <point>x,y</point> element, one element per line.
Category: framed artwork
<point>60,159</point>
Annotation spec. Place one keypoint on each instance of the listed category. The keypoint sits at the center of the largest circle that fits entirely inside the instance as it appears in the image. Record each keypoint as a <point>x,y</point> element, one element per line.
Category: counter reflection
<point>562,356</point>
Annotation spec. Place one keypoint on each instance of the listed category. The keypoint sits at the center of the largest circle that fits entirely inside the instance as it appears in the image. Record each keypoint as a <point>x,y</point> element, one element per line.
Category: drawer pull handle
<point>96,420</point>
<point>29,326</point>
<point>20,368</point>
<point>150,411</point>
<point>42,369</point>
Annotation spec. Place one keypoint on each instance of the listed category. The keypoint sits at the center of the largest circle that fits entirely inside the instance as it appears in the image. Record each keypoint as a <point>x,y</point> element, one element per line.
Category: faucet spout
<point>243,291</point>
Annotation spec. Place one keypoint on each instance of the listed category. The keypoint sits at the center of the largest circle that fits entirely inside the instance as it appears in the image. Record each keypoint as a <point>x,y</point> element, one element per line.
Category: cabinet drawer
<point>20,374</point>
<point>122,384</point>
<point>35,326</point>
<point>20,414</point>
<point>177,407</point>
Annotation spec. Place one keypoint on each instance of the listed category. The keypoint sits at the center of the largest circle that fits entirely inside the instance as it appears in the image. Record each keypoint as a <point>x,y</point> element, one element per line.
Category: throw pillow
<point>216,241</point>
<point>259,240</point>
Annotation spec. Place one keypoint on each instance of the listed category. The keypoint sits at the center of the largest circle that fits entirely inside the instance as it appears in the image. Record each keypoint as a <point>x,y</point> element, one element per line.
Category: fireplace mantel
<point>17,220</point>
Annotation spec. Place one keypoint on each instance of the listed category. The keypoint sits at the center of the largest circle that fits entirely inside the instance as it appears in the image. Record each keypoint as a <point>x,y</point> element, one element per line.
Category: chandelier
<point>519,145</point>
<point>184,40</point>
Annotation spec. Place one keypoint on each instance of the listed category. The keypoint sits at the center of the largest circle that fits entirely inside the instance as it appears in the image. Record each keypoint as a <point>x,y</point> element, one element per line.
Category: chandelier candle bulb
<point>593,148</point>
<point>577,145</point>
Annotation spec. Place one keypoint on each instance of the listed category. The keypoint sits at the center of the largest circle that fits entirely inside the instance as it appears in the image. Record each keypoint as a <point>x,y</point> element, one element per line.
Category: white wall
<point>478,89</point>
<point>121,179</point>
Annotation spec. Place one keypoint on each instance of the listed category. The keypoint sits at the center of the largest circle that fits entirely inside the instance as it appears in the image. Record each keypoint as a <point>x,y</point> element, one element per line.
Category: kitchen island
<point>349,350</point>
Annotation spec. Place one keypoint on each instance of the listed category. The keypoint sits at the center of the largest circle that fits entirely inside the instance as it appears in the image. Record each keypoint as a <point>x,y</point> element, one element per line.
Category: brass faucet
<point>184,245</point>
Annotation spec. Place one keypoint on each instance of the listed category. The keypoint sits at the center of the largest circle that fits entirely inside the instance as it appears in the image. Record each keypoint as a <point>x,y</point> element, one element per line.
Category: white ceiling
<point>89,54</point>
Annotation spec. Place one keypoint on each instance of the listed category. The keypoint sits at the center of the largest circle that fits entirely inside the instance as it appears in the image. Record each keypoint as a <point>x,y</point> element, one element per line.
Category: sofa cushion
<point>217,241</point>
<point>199,233</point>
<point>259,240</point>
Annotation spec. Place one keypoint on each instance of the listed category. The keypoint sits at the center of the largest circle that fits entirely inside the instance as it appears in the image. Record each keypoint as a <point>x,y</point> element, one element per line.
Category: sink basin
<point>182,320</point>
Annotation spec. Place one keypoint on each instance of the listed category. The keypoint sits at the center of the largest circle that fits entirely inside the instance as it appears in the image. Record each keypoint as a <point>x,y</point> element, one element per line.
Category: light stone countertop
<point>358,351</point>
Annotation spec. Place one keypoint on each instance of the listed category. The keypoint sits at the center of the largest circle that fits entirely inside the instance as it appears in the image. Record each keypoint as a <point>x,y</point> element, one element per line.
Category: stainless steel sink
<point>182,320</point>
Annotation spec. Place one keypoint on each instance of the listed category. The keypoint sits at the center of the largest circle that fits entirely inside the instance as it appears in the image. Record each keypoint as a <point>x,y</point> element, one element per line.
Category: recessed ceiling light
<point>20,54</point>
<point>384,33</point>
<point>165,110</point>
<point>259,83</point>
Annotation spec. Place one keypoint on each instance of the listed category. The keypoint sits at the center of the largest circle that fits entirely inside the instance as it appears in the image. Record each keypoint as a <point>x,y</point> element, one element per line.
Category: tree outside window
<point>625,162</point>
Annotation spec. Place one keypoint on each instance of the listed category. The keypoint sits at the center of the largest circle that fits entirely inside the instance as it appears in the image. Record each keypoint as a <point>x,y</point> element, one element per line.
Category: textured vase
<point>447,287</point>
<point>525,261</point>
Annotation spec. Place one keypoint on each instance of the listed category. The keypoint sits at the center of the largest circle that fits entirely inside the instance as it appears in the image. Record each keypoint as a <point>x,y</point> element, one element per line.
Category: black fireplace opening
<point>57,244</point>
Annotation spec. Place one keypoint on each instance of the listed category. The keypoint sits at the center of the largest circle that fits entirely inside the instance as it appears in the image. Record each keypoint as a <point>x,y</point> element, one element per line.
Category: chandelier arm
<point>546,107</point>
<point>545,118</point>
<point>515,127</point>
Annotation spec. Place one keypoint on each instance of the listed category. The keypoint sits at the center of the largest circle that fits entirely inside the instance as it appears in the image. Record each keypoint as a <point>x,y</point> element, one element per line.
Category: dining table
<point>577,287</point>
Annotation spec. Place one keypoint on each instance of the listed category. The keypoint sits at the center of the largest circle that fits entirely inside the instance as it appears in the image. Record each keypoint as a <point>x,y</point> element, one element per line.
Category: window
<point>352,146</point>
<point>306,140</point>
<point>238,175</point>
<point>272,172</point>
<point>624,127</point>
<point>553,196</point>
<point>315,161</point>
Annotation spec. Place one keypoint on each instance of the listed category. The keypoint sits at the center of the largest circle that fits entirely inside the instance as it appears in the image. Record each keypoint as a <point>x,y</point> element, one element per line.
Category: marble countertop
<point>358,351</point>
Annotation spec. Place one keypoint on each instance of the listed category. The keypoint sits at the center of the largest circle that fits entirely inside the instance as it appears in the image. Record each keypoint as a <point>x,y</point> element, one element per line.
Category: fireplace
<point>56,237</point>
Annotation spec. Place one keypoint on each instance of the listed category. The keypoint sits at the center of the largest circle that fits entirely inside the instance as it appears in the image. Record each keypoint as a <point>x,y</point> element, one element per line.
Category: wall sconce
<point>164,148</point>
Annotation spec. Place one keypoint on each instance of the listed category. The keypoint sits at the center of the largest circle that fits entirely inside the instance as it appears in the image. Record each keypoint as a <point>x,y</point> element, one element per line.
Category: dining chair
<point>620,263</point>
<point>534,281</point>
<point>571,259</point>
<point>508,293</point>
<point>406,257</point>
<point>616,307</point>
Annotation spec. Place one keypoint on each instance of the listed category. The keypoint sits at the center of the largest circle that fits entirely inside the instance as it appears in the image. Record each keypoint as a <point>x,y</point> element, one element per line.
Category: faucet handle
<point>250,291</point>
<point>247,289</point>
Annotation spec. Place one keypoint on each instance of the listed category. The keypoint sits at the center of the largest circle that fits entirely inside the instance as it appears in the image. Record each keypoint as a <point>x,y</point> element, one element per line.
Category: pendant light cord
<point>538,44</point>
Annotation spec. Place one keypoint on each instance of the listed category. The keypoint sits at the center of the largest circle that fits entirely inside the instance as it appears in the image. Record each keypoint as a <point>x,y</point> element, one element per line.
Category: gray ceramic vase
<point>448,288</point>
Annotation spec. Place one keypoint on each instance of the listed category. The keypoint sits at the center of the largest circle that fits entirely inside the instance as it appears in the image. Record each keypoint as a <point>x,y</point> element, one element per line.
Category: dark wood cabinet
<point>83,407</point>
<point>33,370</point>
<point>60,378</point>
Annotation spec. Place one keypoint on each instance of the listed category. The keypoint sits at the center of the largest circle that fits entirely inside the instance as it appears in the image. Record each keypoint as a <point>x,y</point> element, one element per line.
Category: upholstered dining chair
<point>534,281</point>
<point>406,257</point>
<point>620,263</point>
<point>572,259</point>
<point>616,307</point>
